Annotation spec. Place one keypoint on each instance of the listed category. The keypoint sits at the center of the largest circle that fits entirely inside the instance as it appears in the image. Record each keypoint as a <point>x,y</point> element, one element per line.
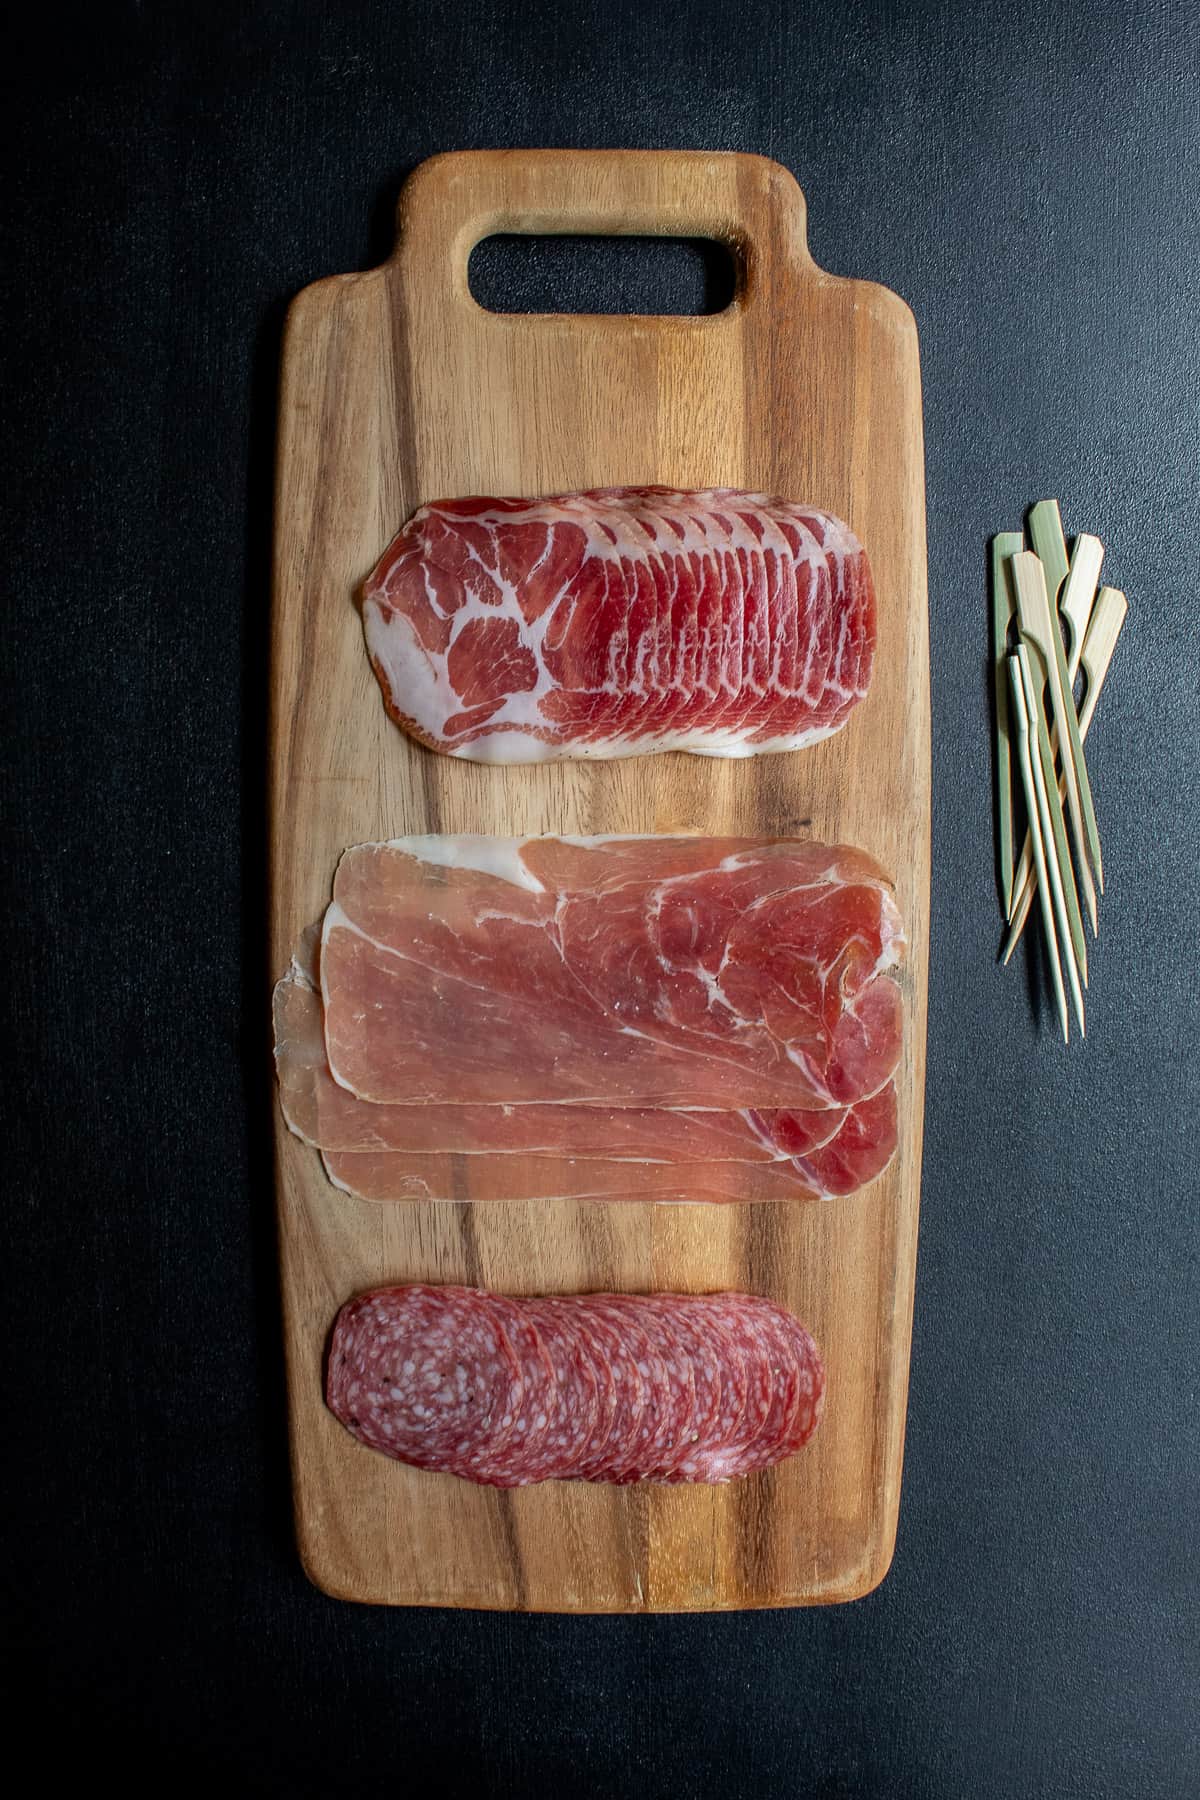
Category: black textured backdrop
<point>1027,177</point>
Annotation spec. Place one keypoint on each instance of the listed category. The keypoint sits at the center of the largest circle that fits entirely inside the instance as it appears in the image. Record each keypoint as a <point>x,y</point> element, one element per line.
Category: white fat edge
<point>281,1048</point>
<point>633,837</point>
<point>499,856</point>
<point>800,740</point>
<point>335,919</point>
<point>895,942</point>
<point>833,683</point>
<point>343,1187</point>
<point>811,556</point>
<point>521,747</point>
<point>303,966</point>
<point>294,1128</point>
<point>417,684</point>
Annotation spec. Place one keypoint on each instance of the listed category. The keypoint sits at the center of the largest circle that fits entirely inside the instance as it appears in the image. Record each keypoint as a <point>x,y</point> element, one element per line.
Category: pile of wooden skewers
<point>1050,626</point>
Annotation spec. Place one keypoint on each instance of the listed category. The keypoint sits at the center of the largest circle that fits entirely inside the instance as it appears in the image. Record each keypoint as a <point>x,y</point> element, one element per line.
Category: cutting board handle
<point>748,203</point>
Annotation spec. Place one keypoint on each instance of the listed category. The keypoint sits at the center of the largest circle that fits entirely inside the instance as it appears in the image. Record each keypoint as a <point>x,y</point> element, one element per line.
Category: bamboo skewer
<point>1056,844</point>
<point>1004,611</point>
<point>1059,872</point>
<point>1054,839</point>
<point>1041,631</point>
<point>1094,656</point>
<point>1071,748</point>
<point>1025,758</point>
<point>1079,596</point>
<point>1049,546</point>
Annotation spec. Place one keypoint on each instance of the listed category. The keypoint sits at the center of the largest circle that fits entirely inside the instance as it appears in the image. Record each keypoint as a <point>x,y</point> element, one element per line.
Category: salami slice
<point>582,1393</point>
<point>593,1387</point>
<point>425,1374</point>
<point>796,1430</point>
<point>662,1431</point>
<point>683,1337</point>
<point>505,1462</point>
<point>630,1393</point>
<point>784,1377</point>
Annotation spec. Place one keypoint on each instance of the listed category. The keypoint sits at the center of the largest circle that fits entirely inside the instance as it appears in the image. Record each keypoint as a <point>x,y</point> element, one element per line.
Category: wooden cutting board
<point>398,389</point>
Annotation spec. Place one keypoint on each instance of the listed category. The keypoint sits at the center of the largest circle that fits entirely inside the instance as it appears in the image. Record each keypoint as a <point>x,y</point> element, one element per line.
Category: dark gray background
<point>1027,178</point>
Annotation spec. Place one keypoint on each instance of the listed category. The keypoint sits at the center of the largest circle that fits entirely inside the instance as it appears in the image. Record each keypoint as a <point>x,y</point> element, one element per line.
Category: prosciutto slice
<point>621,621</point>
<point>332,1118</point>
<point>858,1151</point>
<point>723,973</point>
<point>447,1152</point>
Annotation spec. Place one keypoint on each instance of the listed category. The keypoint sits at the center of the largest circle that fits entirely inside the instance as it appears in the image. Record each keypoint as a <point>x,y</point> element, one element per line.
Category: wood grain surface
<point>398,389</point>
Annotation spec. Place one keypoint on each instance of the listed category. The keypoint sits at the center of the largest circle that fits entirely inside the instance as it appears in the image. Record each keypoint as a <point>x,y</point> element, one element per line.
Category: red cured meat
<point>619,621</point>
<point>728,973</point>
<point>701,1350</point>
<point>726,1384</point>
<point>412,1152</point>
<point>718,1319</point>
<point>332,1118</point>
<point>534,1412</point>
<point>664,1421</point>
<point>859,1150</point>
<point>631,1391</point>
<point>583,1399</point>
<point>426,1375</point>
<point>392,1176</point>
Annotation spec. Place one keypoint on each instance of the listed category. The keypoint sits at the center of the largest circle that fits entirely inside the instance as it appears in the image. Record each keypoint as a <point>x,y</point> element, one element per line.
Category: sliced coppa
<point>620,621</point>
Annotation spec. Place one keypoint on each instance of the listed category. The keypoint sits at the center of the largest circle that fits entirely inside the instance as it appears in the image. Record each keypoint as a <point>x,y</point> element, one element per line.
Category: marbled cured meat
<point>723,973</point>
<point>859,1151</point>
<point>596,1387</point>
<point>333,1119</point>
<point>621,621</point>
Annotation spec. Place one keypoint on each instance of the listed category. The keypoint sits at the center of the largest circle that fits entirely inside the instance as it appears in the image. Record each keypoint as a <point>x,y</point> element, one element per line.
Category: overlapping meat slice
<point>502,1458</point>
<point>393,1176</point>
<point>598,1387</point>
<point>620,620</point>
<point>584,1397</point>
<point>332,1118</point>
<point>634,971</point>
<point>426,1375</point>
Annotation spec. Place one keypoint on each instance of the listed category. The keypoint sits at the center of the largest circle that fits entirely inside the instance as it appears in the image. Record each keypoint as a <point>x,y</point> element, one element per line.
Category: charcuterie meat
<point>859,1151</point>
<point>621,621</point>
<point>589,1387</point>
<point>634,1153</point>
<point>722,973</point>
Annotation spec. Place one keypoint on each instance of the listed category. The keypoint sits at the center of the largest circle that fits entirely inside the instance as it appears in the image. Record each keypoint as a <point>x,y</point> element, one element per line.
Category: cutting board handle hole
<point>690,277</point>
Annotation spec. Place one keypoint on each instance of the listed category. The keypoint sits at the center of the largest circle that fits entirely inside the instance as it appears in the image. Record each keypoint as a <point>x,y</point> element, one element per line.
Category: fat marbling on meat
<point>621,621</point>
<point>724,973</point>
